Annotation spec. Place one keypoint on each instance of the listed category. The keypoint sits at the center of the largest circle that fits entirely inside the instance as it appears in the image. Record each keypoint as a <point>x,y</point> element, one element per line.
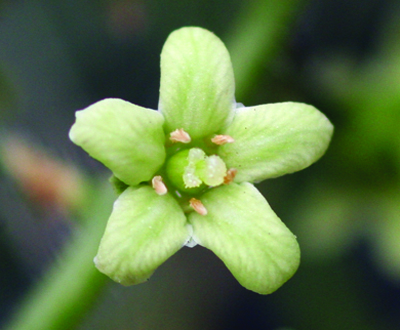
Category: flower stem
<point>67,291</point>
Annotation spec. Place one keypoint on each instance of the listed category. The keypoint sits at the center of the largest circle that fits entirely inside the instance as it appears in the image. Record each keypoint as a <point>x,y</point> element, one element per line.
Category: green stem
<point>67,291</point>
<point>256,38</point>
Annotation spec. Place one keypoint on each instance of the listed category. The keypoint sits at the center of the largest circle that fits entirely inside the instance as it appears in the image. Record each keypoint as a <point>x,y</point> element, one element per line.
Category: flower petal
<point>144,230</point>
<point>197,83</point>
<point>126,138</point>
<point>275,139</point>
<point>242,230</point>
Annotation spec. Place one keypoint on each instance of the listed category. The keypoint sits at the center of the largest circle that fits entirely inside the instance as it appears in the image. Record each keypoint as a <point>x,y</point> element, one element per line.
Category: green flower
<point>185,172</point>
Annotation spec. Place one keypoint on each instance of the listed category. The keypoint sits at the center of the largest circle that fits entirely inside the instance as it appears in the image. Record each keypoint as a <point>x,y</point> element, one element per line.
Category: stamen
<point>198,206</point>
<point>158,185</point>
<point>222,139</point>
<point>230,175</point>
<point>179,135</point>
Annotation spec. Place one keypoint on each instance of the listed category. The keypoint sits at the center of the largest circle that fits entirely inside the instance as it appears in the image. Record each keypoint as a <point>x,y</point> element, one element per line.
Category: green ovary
<point>191,169</point>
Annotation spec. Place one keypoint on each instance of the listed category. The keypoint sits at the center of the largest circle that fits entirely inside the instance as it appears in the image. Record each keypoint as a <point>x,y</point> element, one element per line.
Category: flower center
<point>191,170</point>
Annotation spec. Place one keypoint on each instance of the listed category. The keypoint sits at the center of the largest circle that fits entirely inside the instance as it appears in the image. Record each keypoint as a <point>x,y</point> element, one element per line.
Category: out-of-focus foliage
<point>365,158</point>
<point>7,95</point>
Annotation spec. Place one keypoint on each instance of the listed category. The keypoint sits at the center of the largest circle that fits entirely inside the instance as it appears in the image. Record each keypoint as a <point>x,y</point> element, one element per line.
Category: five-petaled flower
<point>185,172</point>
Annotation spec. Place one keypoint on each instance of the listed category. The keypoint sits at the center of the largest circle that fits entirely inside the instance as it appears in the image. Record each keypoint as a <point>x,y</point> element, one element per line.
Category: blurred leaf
<point>256,38</point>
<point>385,233</point>
<point>325,221</point>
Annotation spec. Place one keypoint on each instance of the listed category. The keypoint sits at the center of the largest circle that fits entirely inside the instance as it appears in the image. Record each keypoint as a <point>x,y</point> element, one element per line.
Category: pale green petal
<point>275,139</point>
<point>126,138</point>
<point>144,230</point>
<point>197,83</point>
<point>242,230</point>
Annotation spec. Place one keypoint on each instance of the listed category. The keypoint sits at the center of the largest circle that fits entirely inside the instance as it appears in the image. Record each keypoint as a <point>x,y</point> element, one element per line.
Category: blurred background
<point>343,56</point>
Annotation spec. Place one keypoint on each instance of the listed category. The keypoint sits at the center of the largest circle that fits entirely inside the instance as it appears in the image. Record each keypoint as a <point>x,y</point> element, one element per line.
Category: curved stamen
<point>222,139</point>
<point>158,185</point>
<point>179,135</point>
<point>198,206</point>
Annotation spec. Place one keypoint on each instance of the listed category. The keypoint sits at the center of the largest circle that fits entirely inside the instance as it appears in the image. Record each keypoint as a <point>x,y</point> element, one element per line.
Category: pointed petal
<point>275,139</point>
<point>242,230</point>
<point>144,230</point>
<point>126,138</point>
<point>197,83</point>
